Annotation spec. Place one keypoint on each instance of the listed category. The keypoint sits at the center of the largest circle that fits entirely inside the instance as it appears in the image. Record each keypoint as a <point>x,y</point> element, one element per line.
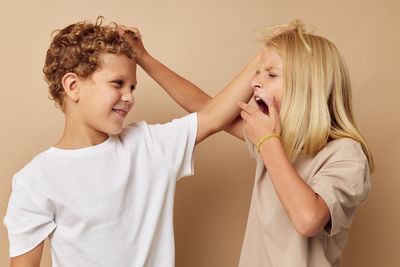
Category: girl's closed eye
<point>273,75</point>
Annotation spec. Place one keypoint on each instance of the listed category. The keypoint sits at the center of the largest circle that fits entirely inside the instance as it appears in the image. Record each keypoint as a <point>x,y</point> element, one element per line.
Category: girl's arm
<point>185,93</point>
<point>29,259</point>
<point>307,210</point>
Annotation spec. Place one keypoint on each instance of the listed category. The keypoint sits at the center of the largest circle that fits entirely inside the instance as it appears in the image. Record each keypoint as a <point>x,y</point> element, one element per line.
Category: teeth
<point>258,98</point>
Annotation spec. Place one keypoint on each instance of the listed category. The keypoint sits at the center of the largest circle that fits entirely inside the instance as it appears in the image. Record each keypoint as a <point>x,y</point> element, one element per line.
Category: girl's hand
<point>257,124</point>
<point>134,38</point>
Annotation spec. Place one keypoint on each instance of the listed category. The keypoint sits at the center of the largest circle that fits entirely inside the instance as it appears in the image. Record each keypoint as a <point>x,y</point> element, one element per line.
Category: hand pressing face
<point>268,92</point>
<point>268,81</point>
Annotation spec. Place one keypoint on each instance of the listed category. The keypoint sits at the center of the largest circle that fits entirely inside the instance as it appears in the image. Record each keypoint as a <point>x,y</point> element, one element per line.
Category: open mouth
<point>261,105</point>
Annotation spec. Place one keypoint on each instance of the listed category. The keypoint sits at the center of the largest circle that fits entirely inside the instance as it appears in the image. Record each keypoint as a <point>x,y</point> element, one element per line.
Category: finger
<point>126,33</point>
<point>249,109</point>
<point>241,104</point>
<point>134,29</point>
<point>273,111</point>
<point>244,115</point>
<point>130,34</point>
<point>120,30</point>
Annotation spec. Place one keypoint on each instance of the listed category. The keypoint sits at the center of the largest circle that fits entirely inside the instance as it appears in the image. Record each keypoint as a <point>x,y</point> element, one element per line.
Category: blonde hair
<point>77,48</point>
<point>316,105</point>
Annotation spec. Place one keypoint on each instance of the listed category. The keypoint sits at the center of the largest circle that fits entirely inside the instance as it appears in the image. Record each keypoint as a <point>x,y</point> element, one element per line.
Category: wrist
<point>268,142</point>
<point>143,58</point>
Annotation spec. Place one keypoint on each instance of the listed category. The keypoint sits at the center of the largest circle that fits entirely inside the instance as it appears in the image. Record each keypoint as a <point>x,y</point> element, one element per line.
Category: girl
<point>313,165</point>
<point>310,180</point>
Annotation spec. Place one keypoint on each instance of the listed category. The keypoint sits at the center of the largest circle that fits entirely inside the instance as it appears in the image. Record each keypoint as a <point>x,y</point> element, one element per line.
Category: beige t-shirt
<point>339,173</point>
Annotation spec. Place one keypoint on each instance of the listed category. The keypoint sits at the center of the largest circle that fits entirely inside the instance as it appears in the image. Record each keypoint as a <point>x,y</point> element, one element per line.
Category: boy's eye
<point>132,88</point>
<point>118,82</point>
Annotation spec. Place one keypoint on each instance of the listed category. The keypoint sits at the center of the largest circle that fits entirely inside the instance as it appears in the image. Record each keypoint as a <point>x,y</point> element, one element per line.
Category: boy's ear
<point>71,86</point>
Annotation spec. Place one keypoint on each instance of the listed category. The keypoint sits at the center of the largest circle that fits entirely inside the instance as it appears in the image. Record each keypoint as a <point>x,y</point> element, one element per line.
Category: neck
<point>77,135</point>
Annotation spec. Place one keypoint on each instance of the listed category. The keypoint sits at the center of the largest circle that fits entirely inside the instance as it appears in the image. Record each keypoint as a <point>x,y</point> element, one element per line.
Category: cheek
<point>110,99</point>
<point>114,98</point>
<point>278,94</point>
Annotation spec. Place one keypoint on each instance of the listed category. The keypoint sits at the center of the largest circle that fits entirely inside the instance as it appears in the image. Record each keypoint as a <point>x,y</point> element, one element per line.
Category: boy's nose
<point>127,97</point>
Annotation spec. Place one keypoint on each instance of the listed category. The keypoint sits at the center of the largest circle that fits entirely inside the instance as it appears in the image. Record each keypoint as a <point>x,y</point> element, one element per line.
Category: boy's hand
<point>134,38</point>
<point>257,124</point>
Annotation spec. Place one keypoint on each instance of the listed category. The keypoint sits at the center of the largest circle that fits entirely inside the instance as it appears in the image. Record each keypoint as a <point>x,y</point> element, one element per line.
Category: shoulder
<point>134,130</point>
<point>341,154</point>
<point>344,149</point>
<point>183,122</point>
<point>135,126</point>
<point>32,173</point>
<point>142,128</point>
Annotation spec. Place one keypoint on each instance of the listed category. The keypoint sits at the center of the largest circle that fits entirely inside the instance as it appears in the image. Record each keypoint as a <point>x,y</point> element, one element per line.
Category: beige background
<point>208,42</point>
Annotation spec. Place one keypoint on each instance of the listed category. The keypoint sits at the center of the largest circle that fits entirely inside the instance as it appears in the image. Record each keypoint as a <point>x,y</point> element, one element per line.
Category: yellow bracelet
<point>265,138</point>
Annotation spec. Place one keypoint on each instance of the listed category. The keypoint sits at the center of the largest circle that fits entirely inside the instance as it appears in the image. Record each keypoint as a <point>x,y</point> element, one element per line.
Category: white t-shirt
<point>105,205</point>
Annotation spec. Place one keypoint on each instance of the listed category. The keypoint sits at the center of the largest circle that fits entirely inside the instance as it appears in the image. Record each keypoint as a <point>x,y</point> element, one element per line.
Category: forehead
<point>117,64</point>
<point>270,59</point>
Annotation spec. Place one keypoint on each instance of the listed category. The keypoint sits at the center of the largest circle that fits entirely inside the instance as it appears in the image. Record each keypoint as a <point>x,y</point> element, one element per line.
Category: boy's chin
<point>115,131</point>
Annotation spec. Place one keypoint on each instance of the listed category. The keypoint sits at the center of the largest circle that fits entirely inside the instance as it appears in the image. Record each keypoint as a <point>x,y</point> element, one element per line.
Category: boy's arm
<point>29,259</point>
<point>223,108</point>
<point>185,93</point>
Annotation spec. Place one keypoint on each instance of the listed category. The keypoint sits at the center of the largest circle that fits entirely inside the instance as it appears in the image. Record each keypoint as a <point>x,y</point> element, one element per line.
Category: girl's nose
<point>255,83</point>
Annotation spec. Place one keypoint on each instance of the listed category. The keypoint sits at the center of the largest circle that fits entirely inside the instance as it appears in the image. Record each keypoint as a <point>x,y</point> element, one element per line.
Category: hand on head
<point>134,39</point>
<point>257,124</point>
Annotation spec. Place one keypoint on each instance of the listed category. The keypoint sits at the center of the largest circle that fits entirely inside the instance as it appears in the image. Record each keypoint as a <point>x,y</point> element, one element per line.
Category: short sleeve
<point>27,222</point>
<point>342,185</point>
<point>175,140</point>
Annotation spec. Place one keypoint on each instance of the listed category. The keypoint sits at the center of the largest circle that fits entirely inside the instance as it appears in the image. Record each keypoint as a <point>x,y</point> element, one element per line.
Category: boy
<point>104,193</point>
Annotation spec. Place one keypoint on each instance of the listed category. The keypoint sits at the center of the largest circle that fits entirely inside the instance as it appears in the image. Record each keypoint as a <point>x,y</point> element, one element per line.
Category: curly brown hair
<point>77,48</point>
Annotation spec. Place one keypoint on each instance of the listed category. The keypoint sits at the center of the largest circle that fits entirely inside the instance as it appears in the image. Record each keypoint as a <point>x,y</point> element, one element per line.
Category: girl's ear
<point>71,86</point>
